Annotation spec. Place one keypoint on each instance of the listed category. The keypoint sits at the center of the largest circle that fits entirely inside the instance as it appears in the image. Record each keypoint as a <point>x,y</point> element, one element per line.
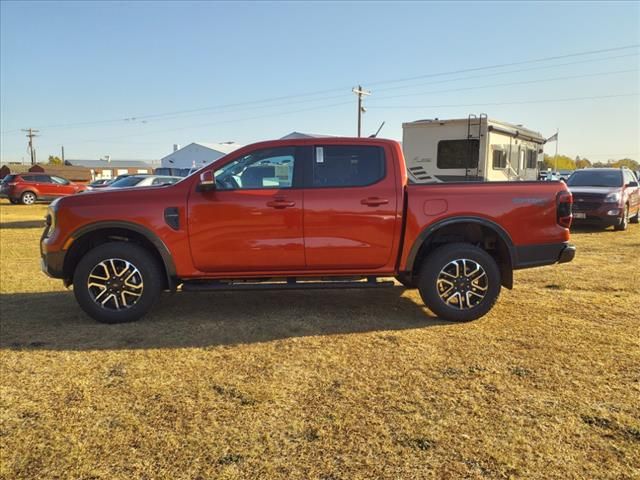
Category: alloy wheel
<point>462,284</point>
<point>115,284</point>
<point>28,198</point>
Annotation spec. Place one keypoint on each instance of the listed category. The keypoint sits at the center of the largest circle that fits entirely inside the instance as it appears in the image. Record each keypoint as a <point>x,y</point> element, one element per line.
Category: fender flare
<point>155,240</point>
<point>431,229</point>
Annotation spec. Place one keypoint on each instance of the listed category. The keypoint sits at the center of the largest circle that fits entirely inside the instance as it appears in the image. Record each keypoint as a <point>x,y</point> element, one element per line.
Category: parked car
<point>101,182</point>
<point>27,188</point>
<point>305,213</point>
<point>108,181</point>
<point>142,181</point>
<point>174,172</point>
<point>605,197</point>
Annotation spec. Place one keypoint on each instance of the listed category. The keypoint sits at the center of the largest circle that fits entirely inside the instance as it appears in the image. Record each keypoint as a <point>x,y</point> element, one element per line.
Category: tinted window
<point>43,178</point>
<point>595,178</point>
<point>60,180</point>
<point>29,178</point>
<point>532,159</point>
<point>269,168</point>
<point>347,166</point>
<point>126,182</point>
<point>9,178</point>
<point>458,154</point>
<point>499,159</point>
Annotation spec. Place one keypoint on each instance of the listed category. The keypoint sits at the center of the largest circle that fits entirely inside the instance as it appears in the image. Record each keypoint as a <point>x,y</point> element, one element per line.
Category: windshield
<point>591,178</point>
<point>8,178</point>
<point>126,182</point>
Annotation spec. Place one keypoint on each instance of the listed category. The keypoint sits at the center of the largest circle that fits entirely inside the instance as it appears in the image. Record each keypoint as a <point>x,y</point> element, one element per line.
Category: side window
<point>499,158</point>
<point>28,178</point>
<point>458,154</point>
<point>532,158</point>
<point>347,166</point>
<point>269,168</point>
<point>42,178</point>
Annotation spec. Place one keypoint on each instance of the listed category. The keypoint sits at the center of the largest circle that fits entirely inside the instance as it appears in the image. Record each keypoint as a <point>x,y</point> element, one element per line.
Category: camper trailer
<point>470,149</point>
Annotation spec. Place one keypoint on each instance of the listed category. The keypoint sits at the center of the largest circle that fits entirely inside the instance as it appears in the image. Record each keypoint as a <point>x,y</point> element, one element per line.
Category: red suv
<point>605,197</point>
<point>27,188</point>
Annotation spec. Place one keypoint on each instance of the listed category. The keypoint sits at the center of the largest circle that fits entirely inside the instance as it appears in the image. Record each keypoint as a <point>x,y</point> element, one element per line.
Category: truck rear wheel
<point>117,282</point>
<point>459,282</point>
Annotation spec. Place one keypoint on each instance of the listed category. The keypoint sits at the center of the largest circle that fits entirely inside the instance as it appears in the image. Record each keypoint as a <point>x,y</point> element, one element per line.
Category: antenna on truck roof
<point>378,131</point>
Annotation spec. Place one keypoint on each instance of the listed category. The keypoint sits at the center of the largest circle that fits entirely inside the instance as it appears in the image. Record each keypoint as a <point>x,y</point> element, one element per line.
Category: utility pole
<point>62,154</point>
<point>31,133</point>
<point>360,92</point>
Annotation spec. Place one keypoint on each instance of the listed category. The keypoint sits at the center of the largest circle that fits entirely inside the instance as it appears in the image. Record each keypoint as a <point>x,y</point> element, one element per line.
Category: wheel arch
<point>89,236</point>
<point>475,230</point>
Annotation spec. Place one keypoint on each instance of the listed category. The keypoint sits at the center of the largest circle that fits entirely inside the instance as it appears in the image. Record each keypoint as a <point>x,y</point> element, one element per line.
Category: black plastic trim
<point>164,252</point>
<point>427,232</point>
<point>172,217</point>
<point>529,256</point>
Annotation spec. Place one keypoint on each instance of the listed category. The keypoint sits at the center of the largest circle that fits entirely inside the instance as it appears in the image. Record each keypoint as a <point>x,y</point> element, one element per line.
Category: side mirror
<point>207,182</point>
<point>632,184</point>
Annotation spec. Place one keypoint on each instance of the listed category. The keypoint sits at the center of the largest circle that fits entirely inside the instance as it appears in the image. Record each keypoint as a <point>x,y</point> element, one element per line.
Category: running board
<point>289,284</point>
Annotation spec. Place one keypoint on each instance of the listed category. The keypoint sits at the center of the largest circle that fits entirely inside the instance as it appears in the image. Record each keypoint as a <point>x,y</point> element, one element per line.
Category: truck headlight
<point>50,219</point>
<point>612,197</point>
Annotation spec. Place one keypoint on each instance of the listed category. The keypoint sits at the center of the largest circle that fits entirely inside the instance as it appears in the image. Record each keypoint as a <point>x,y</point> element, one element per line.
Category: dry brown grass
<point>325,385</point>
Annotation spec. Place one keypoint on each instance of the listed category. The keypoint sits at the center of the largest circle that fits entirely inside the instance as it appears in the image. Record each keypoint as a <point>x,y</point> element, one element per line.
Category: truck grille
<point>586,202</point>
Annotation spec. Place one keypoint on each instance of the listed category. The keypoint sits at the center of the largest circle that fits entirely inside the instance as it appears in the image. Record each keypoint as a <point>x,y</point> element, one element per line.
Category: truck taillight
<point>564,203</point>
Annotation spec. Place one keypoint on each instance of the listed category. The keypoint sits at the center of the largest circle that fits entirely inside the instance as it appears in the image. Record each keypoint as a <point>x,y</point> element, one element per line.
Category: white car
<point>143,181</point>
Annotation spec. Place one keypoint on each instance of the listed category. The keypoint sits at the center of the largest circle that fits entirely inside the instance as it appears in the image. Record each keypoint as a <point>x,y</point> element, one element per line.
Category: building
<point>197,154</point>
<point>297,135</point>
<point>112,168</point>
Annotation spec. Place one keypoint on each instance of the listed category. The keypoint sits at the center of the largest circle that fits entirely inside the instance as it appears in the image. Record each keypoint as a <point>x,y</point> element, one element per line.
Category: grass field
<point>324,385</point>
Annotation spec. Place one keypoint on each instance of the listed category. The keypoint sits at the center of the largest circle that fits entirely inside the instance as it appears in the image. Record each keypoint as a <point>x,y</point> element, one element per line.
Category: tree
<point>563,162</point>
<point>55,160</point>
<point>626,162</point>
<point>582,163</point>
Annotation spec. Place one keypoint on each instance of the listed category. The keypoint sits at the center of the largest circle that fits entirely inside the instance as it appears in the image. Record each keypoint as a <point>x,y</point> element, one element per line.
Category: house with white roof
<point>197,154</point>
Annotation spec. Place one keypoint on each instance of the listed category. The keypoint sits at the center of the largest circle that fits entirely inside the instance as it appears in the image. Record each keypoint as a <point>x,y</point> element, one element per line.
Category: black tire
<point>14,201</point>
<point>407,281</point>
<point>456,255</point>
<point>149,279</point>
<point>635,219</point>
<point>28,198</point>
<point>624,221</point>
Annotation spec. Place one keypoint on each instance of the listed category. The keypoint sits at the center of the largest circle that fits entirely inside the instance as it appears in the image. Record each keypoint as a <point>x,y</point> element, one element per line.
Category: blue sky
<point>131,79</point>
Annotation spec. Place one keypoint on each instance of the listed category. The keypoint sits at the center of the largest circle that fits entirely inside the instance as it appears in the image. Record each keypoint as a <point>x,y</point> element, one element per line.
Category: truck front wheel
<point>117,282</point>
<point>459,282</point>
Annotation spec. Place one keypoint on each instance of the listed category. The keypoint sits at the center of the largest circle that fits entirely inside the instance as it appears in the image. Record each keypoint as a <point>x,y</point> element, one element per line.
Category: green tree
<point>626,162</point>
<point>563,162</point>
<point>55,160</point>
<point>582,163</point>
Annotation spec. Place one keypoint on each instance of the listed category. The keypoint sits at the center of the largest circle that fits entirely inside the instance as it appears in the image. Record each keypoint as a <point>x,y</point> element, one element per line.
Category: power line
<point>539,67</point>
<point>508,103</point>
<point>140,118</point>
<point>526,82</point>
<point>510,64</point>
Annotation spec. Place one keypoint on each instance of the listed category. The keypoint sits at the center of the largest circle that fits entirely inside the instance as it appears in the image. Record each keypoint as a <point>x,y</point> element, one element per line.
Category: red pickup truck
<point>309,213</point>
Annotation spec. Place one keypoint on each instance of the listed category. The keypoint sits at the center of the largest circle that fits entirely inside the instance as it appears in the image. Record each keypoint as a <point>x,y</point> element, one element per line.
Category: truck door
<point>350,204</point>
<point>252,221</point>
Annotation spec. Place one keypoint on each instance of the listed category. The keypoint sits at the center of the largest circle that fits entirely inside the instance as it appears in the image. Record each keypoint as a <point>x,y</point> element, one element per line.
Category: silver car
<point>143,181</point>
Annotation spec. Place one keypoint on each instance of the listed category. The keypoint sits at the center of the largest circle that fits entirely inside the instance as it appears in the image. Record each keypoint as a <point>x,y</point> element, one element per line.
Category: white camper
<point>470,149</point>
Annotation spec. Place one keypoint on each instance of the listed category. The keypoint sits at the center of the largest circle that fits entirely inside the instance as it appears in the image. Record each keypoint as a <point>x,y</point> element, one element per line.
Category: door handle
<point>281,203</point>
<point>374,201</point>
